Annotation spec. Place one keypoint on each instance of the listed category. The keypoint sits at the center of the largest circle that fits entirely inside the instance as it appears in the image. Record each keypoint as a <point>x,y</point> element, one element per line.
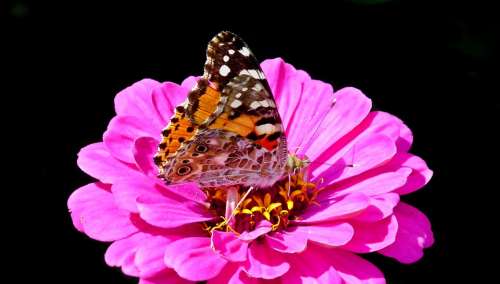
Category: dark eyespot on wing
<point>184,170</point>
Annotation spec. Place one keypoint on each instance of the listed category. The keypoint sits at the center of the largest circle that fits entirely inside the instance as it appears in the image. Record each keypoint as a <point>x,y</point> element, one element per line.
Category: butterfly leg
<point>289,183</point>
<point>231,200</point>
<point>239,203</point>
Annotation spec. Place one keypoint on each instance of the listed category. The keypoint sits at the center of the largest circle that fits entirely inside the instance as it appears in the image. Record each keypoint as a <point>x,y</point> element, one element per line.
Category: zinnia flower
<point>305,230</point>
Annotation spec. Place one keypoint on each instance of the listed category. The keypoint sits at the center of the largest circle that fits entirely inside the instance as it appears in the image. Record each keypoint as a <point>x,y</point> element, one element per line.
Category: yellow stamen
<point>275,205</point>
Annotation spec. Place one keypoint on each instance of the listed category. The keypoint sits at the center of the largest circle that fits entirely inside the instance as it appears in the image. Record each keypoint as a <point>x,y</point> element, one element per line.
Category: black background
<point>431,65</point>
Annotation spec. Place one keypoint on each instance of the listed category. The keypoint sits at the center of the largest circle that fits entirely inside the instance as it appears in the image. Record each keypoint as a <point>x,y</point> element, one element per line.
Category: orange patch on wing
<point>242,125</point>
<point>269,145</point>
<point>207,105</point>
<point>176,133</point>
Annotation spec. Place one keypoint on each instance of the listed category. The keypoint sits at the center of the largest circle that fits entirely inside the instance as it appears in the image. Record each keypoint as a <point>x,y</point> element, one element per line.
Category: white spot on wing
<point>264,103</point>
<point>238,95</point>
<point>231,51</point>
<point>244,51</point>
<point>257,87</point>
<point>265,129</point>
<point>256,74</point>
<point>224,70</point>
<point>262,76</point>
<point>254,105</point>
<point>225,58</point>
<point>236,103</point>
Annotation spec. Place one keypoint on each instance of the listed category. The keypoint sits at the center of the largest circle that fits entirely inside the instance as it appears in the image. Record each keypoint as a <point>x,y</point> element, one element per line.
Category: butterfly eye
<point>184,170</point>
<point>201,148</point>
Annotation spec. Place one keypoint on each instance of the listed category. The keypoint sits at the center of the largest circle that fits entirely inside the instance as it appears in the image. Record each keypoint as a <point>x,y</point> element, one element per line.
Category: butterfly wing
<point>222,158</point>
<point>232,100</point>
<point>229,56</point>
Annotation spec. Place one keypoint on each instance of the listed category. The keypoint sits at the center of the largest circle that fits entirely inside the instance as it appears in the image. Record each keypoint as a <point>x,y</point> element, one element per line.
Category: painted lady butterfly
<point>228,131</point>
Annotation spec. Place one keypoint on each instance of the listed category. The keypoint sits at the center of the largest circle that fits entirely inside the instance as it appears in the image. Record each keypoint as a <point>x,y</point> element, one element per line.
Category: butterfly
<point>228,131</point>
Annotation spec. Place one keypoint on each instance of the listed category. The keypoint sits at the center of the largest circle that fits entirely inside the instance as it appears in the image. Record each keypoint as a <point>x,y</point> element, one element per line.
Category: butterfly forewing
<point>229,56</point>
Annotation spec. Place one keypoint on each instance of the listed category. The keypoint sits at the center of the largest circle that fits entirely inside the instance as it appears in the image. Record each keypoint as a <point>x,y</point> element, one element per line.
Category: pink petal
<point>413,236</point>
<point>262,228</point>
<point>374,185</point>
<point>369,237</point>
<point>381,206</point>
<point>331,234</point>
<point>277,73</point>
<point>121,253</point>
<point>329,210</point>
<point>189,83</point>
<point>165,98</point>
<point>234,274</point>
<point>405,139</point>
<point>354,269</point>
<point>190,191</point>
<point>366,153</point>
<point>126,192</point>
<point>150,254</point>
<point>193,259</point>
<point>128,267</point>
<point>229,246</point>
<point>136,100</point>
<point>169,212</point>
<point>95,213</point>
<point>168,276</point>
<point>289,89</point>
<point>420,175</point>
<point>96,161</point>
<point>144,150</point>
<point>311,110</point>
<point>121,134</point>
<point>264,262</point>
<point>311,267</point>
<point>350,108</point>
<point>378,122</point>
<point>289,241</point>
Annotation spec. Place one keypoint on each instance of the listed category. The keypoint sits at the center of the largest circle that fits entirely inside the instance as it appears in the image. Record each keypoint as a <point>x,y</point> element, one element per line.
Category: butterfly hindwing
<point>221,158</point>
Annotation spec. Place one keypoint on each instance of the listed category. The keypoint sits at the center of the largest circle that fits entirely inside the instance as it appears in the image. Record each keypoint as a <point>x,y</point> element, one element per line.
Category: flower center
<point>280,204</point>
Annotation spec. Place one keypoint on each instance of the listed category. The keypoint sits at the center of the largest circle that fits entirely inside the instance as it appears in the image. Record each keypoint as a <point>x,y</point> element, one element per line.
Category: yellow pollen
<point>274,204</point>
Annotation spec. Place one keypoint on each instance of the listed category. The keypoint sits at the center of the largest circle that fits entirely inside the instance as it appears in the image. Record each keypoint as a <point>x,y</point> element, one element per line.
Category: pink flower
<point>360,166</point>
